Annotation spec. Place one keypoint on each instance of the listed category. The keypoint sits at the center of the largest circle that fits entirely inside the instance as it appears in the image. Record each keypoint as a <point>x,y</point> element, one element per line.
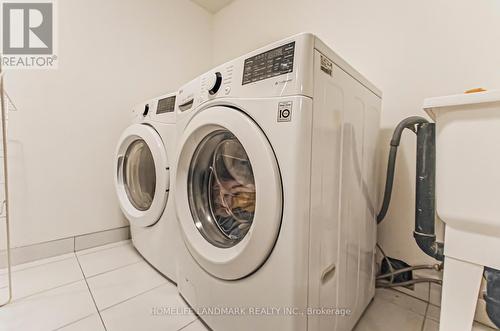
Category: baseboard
<point>56,247</point>
<point>101,238</point>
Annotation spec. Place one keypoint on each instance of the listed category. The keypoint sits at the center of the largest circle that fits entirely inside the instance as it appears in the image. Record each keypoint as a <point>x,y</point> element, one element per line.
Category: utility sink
<point>467,197</point>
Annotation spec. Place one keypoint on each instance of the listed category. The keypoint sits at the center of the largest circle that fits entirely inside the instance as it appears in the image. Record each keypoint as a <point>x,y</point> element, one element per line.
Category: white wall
<point>116,53</point>
<point>409,49</point>
<point>112,54</point>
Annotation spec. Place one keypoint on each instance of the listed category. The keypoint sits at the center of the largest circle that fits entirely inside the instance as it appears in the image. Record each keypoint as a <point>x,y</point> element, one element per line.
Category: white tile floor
<point>112,288</point>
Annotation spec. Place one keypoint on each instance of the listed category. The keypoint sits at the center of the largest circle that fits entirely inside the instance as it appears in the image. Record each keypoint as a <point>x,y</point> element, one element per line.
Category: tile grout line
<point>409,295</point>
<point>74,255</point>
<point>74,238</point>
<point>46,290</point>
<point>403,294</point>
<point>114,269</point>
<point>132,297</point>
<point>426,307</point>
<point>65,239</point>
<point>39,265</point>
<point>115,244</point>
<point>71,323</point>
<point>414,296</point>
<point>425,317</point>
<point>107,230</point>
<point>90,292</point>
<point>185,326</point>
<point>67,258</point>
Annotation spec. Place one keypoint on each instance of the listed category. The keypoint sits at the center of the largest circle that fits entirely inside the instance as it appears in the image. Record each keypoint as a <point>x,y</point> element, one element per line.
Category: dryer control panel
<point>160,109</point>
<point>166,105</point>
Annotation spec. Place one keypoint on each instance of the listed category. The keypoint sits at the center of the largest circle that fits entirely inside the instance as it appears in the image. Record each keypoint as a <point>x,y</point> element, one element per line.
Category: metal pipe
<point>412,268</point>
<point>425,192</point>
<point>384,284</point>
<point>6,184</point>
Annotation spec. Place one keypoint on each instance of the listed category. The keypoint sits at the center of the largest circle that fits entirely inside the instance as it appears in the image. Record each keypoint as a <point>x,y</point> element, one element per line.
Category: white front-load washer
<point>276,190</point>
<point>145,161</point>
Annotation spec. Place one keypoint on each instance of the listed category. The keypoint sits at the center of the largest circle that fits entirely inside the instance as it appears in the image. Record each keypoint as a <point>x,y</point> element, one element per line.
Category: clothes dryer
<point>145,160</point>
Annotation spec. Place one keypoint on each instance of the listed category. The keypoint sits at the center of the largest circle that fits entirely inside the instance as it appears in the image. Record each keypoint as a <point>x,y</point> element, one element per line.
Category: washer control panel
<point>279,69</point>
<point>275,62</point>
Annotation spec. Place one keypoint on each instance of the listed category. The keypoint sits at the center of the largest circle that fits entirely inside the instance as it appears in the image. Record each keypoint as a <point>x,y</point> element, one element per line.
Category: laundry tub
<point>467,197</point>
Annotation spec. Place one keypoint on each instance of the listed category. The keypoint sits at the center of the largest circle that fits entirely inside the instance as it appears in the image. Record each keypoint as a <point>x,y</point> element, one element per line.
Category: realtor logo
<point>28,34</point>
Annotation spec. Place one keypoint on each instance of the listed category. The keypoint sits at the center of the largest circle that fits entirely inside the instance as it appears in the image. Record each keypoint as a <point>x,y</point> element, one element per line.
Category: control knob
<point>214,83</point>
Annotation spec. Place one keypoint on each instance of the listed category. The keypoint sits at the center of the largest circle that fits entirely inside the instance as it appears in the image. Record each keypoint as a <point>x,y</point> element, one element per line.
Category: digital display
<point>166,105</point>
<point>275,62</point>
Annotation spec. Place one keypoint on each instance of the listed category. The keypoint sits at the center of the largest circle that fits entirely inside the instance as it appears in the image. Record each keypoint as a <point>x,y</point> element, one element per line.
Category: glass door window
<point>139,175</point>
<point>221,189</point>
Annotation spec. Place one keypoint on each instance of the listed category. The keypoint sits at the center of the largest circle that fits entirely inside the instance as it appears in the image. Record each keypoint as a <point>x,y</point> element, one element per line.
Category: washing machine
<point>145,165</point>
<point>276,190</point>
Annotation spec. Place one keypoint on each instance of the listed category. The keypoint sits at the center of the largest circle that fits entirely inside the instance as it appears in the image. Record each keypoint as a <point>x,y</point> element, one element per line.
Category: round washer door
<point>228,192</point>
<point>142,175</point>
